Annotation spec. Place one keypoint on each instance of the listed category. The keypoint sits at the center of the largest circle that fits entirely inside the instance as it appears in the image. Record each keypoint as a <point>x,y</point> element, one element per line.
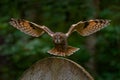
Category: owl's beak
<point>57,41</point>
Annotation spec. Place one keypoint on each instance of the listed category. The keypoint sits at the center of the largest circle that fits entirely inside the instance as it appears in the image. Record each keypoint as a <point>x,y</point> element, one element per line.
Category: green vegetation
<point>18,51</point>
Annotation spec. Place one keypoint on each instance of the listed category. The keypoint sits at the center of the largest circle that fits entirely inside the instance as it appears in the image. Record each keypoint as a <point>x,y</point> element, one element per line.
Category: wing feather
<point>29,28</point>
<point>86,28</point>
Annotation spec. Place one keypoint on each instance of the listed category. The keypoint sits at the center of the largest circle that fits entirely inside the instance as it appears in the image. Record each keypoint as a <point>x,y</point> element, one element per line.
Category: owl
<point>61,47</point>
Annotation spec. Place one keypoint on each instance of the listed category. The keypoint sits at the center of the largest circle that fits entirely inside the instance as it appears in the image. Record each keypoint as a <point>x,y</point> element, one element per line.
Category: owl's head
<point>59,38</point>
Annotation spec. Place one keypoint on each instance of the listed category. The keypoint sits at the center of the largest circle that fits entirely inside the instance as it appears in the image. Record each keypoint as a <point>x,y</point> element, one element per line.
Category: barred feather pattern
<point>91,26</point>
<point>27,27</point>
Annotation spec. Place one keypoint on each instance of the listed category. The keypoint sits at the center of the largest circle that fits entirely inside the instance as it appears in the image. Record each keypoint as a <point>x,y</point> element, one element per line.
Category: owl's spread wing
<point>30,28</point>
<point>86,28</point>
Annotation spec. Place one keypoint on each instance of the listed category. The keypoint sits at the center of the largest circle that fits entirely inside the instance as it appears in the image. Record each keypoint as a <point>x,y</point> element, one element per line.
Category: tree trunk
<point>91,40</point>
<point>56,69</point>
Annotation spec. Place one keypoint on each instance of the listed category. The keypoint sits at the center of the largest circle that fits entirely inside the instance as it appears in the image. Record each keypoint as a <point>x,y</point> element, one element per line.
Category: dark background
<point>99,53</point>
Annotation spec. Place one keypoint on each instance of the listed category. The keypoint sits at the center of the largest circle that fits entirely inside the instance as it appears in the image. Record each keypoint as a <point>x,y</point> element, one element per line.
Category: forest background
<point>99,53</point>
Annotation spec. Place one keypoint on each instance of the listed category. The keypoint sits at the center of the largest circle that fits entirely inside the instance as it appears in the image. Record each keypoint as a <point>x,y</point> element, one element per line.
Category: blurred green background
<point>99,53</point>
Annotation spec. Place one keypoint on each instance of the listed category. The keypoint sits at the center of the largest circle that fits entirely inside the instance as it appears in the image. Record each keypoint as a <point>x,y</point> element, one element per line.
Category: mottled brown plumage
<point>61,48</point>
<point>61,45</point>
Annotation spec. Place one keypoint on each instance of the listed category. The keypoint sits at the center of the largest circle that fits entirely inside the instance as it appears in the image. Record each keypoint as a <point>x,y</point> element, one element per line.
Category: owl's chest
<point>61,47</point>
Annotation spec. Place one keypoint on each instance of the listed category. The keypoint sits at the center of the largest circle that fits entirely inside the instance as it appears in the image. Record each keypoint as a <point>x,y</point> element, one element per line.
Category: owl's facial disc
<point>58,38</point>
